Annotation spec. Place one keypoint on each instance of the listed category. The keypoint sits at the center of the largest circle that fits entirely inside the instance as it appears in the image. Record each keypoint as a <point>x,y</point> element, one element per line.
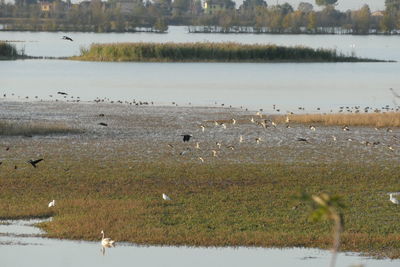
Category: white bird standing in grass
<point>165,197</point>
<point>241,139</point>
<point>52,203</point>
<point>202,128</point>
<point>197,145</point>
<point>287,119</point>
<point>252,120</point>
<point>233,121</point>
<point>201,159</point>
<point>105,241</point>
<point>393,199</point>
<point>214,152</point>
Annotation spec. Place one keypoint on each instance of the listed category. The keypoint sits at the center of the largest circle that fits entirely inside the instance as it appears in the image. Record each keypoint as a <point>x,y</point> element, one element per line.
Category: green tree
<point>305,7</point>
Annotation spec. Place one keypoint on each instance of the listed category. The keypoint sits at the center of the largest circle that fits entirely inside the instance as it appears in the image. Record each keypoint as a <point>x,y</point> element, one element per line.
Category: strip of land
<point>211,52</point>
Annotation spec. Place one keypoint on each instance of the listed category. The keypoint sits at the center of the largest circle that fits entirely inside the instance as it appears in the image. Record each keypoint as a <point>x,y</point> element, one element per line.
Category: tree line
<point>210,16</point>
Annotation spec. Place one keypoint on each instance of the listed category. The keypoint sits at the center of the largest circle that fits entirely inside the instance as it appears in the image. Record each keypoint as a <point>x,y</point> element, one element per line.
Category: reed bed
<point>12,128</point>
<point>210,52</point>
<point>8,51</point>
<point>389,119</point>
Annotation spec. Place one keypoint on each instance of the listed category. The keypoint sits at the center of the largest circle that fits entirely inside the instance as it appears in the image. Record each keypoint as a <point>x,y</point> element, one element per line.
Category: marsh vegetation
<point>244,196</point>
<point>210,52</point>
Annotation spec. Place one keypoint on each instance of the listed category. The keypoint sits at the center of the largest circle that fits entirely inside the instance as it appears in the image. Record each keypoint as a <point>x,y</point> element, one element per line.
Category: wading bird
<point>106,241</point>
<point>186,137</point>
<point>201,159</point>
<point>214,152</point>
<point>197,145</point>
<point>34,162</point>
<point>202,128</point>
<point>312,128</point>
<point>67,38</point>
<point>52,203</point>
<point>241,139</point>
<point>393,199</point>
<point>165,197</point>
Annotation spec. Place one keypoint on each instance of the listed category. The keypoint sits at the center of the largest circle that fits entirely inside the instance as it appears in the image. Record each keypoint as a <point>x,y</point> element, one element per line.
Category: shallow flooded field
<point>155,133</point>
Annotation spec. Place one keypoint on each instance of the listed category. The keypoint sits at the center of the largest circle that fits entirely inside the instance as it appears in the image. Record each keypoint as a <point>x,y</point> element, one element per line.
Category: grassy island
<point>211,52</point>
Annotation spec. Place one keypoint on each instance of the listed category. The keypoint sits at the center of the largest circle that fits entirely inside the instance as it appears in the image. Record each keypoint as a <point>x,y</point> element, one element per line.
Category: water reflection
<point>20,246</point>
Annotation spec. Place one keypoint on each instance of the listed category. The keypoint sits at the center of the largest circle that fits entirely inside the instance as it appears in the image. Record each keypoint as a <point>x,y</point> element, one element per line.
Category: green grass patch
<point>210,52</point>
<point>216,204</point>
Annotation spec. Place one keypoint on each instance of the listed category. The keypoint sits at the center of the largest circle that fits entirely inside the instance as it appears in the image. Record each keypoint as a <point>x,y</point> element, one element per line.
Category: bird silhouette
<point>302,140</point>
<point>61,93</point>
<point>67,38</point>
<point>103,124</point>
<point>34,162</point>
<point>186,137</point>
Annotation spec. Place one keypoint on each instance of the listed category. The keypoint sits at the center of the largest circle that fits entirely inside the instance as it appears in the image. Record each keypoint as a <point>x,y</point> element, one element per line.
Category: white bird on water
<point>393,199</point>
<point>105,241</point>
<point>165,197</point>
<point>52,203</point>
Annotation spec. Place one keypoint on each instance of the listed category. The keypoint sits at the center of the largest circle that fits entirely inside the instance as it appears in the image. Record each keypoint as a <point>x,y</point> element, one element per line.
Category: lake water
<point>21,246</point>
<point>253,85</point>
<point>288,85</point>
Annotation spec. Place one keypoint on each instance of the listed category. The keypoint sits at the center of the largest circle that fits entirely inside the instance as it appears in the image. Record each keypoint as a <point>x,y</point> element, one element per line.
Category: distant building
<point>378,14</point>
<point>46,6</point>
<point>213,6</point>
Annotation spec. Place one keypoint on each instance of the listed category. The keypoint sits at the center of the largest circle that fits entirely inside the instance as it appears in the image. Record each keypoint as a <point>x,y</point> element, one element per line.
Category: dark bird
<point>186,137</point>
<point>302,140</point>
<point>1,162</point>
<point>101,115</point>
<point>103,124</point>
<point>7,148</point>
<point>67,38</point>
<point>62,93</point>
<point>34,162</point>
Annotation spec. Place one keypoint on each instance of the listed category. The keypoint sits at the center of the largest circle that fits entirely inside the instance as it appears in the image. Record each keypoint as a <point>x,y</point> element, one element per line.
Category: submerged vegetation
<point>210,52</point>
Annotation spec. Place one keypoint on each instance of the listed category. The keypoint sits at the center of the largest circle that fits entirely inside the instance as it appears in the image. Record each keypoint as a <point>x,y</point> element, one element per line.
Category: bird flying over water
<point>67,38</point>
<point>34,162</point>
<point>103,124</point>
<point>61,93</point>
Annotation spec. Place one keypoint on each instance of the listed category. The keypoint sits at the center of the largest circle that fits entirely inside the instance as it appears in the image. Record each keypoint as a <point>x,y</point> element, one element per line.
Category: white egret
<point>201,159</point>
<point>393,199</point>
<point>52,203</point>
<point>165,197</point>
<point>241,139</point>
<point>214,153</point>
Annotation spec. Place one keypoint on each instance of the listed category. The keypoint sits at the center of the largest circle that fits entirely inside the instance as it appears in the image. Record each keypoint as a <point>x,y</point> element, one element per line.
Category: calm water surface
<point>289,85</point>
<point>20,246</point>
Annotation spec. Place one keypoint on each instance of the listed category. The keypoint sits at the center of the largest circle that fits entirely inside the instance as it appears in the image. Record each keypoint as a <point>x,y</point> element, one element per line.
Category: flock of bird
<point>258,119</point>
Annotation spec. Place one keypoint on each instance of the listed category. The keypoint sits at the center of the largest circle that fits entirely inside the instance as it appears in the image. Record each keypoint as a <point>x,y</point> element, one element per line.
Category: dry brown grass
<point>10,128</point>
<point>390,119</point>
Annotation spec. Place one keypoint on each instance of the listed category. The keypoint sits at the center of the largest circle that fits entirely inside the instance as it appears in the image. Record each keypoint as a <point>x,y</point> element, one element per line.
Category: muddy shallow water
<point>22,245</point>
<point>154,132</point>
